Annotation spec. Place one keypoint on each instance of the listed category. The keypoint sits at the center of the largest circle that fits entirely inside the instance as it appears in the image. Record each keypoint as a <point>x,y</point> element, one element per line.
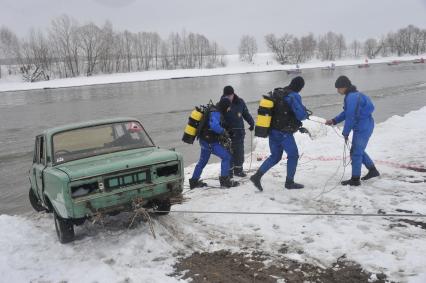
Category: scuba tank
<point>191,129</point>
<point>264,117</point>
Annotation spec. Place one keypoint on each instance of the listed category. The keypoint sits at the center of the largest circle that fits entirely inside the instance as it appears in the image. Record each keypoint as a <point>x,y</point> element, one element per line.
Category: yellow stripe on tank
<point>196,115</point>
<point>266,103</point>
<point>190,130</point>
<point>263,121</point>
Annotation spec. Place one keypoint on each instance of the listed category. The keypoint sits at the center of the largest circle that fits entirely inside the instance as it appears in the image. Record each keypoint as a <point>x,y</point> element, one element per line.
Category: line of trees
<point>68,49</point>
<point>290,49</point>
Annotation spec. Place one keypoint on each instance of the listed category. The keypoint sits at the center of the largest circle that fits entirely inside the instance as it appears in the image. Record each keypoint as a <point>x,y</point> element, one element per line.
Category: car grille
<point>125,180</point>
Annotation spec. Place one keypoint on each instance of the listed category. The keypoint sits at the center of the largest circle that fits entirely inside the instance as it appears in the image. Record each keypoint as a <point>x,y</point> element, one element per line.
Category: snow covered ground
<point>262,62</point>
<point>30,251</point>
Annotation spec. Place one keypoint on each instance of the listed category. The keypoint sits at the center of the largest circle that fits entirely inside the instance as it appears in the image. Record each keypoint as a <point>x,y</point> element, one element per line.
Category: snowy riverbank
<point>29,250</point>
<point>263,62</point>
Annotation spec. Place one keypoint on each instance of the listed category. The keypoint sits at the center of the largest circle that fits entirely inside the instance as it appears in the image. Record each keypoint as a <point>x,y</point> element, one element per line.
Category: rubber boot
<point>354,181</point>
<point>196,183</point>
<point>227,182</point>
<point>372,172</point>
<point>291,185</point>
<point>231,173</point>
<point>239,172</point>
<point>256,180</point>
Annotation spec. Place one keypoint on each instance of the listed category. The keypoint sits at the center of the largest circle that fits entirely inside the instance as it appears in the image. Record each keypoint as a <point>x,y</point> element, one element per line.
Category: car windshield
<point>97,140</point>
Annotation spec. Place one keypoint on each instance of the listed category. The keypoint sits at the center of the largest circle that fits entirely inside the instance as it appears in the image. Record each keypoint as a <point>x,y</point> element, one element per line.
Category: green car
<point>102,167</point>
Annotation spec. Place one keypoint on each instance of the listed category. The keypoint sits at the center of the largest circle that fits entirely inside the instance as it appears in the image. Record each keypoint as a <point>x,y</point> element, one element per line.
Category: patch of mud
<point>225,266</point>
<point>419,224</point>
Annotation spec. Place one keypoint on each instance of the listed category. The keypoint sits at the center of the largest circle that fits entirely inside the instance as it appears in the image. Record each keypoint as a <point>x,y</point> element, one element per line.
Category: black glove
<point>231,133</point>
<point>251,128</point>
<point>303,130</point>
<point>226,134</point>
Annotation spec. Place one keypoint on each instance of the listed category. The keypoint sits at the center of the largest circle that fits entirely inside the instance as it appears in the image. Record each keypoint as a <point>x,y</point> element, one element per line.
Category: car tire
<point>78,221</point>
<point>35,202</point>
<point>163,206</point>
<point>64,229</point>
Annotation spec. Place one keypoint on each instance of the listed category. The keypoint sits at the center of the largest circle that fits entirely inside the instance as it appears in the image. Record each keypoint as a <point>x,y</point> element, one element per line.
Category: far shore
<point>263,62</point>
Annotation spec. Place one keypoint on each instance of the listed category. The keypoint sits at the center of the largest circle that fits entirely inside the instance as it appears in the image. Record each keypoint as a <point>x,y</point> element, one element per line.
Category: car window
<point>39,152</point>
<point>101,139</point>
<point>42,150</point>
<point>35,156</point>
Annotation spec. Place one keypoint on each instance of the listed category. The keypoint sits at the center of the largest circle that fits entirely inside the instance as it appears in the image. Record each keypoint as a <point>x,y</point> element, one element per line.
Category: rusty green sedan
<point>101,167</point>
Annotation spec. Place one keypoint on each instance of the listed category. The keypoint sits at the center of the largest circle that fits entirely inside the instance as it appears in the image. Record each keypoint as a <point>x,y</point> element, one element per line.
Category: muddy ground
<point>224,266</point>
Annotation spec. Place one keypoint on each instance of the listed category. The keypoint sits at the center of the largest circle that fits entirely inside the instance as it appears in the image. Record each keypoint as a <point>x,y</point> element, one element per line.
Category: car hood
<point>108,163</point>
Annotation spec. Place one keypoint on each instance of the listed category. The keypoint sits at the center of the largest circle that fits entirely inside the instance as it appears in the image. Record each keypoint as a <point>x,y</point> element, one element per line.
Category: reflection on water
<point>163,107</point>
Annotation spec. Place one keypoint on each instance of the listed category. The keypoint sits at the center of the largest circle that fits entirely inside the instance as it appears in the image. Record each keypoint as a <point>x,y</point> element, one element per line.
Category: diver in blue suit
<point>357,114</point>
<point>211,138</point>
<point>286,120</point>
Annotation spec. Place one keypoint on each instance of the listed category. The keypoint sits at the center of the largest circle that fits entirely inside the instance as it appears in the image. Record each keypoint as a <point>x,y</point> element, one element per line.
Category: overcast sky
<point>224,21</point>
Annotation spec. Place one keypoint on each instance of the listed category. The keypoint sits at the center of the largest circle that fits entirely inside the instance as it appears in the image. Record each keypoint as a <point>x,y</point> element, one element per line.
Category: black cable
<point>294,213</point>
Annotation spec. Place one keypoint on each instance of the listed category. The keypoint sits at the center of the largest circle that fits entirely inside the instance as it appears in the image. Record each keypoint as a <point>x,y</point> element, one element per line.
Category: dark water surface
<point>163,107</point>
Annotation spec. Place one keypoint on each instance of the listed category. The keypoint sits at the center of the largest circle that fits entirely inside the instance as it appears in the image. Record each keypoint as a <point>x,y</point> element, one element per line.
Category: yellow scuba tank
<point>192,127</point>
<point>264,117</point>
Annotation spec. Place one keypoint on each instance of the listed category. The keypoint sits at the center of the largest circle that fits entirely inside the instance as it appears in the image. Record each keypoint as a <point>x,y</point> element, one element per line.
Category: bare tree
<point>328,47</point>
<point>341,45</point>
<point>128,49</point>
<point>165,59</point>
<point>9,46</point>
<point>65,41</point>
<point>308,46</point>
<point>202,44</point>
<point>156,47</point>
<point>370,47</point>
<point>106,57</point>
<point>175,43</point>
<point>36,61</point>
<point>356,48</point>
<point>280,47</point>
<point>247,48</point>
<point>92,44</point>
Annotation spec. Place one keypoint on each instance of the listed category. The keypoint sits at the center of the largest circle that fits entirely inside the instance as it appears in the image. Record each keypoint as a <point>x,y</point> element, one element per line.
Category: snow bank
<point>263,62</point>
<point>29,250</point>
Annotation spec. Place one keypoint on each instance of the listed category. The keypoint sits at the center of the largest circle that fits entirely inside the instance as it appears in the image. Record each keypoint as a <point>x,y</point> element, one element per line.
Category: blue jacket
<point>294,100</point>
<point>235,117</point>
<point>357,110</point>
<point>214,123</point>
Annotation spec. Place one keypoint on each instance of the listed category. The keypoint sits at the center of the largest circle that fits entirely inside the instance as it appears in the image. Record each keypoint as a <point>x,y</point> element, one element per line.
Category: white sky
<point>224,20</point>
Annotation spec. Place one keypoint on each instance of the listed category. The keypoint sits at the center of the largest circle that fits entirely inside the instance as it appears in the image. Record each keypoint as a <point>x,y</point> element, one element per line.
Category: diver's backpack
<point>283,117</point>
<point>274,112</point>
<point>196,122</point>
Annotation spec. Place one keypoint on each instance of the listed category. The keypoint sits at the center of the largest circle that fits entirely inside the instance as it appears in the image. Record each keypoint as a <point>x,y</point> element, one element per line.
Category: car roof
<point>78,125</point>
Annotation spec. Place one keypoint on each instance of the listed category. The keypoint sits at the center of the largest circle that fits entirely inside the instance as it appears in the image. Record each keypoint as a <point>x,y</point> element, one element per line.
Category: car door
<point>39,164</point>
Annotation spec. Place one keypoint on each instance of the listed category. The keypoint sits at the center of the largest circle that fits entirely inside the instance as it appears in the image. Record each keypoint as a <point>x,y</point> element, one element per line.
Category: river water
<point>163,107</point>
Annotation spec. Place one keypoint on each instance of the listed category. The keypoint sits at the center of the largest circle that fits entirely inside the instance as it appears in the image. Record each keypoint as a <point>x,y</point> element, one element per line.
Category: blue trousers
<point>279,142</point>
<point>218,150</point>
<point>358,154</point>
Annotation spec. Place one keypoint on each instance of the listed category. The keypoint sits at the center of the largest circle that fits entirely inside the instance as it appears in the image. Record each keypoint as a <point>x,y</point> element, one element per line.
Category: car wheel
<point>163,206</point>
<point>35,202</point>
<point>78,221</point>
<point>64,229</point>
